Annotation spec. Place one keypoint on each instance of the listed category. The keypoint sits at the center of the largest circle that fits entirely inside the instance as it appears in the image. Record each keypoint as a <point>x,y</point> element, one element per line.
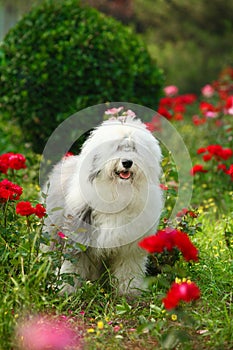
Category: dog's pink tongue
<point>125,174</point>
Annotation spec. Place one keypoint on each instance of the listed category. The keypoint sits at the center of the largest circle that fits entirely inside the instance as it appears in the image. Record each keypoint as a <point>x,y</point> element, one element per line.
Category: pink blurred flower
<point>130,113</point>
<point>207,90</point>
<point>113,111</point>
<point>61,235</point>
<point>163,187</point>
<point>42,333</point>
<point>116,328</point>
<point>171,90</point>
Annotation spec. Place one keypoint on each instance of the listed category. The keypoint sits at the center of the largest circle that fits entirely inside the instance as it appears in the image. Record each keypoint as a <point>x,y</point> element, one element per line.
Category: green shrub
<point>63,57</point>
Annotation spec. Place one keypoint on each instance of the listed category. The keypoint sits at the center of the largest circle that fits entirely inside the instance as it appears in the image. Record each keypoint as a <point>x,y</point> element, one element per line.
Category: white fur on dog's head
<point>116,141</point>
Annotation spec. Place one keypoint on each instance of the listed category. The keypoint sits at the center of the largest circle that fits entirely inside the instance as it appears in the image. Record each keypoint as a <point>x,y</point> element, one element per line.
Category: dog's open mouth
<point>124,174</point>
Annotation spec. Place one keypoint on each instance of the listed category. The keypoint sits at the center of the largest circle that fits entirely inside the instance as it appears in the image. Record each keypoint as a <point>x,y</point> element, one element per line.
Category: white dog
<point>110,199</point>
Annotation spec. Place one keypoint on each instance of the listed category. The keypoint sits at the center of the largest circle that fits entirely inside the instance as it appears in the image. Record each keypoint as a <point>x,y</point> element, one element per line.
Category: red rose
<point>24,209</point>
<point>182,291</point>
<point>168,239</point>
<point>201,150</point>
<point>17,161</point>
<point>207,157</point>
<point>40,211</point>
<point>61,235</point>
<point>11,160</point>
<point>166,102</point>
<point>9,190</point>
<point>226,153</point>
<point>164,112</point>
<point>198,168</point>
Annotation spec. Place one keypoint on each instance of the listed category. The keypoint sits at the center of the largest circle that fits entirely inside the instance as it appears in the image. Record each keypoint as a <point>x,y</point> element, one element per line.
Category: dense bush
<point>63,57</point>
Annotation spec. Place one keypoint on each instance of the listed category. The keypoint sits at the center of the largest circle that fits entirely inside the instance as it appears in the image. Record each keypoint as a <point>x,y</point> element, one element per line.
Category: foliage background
<point>190,40</point>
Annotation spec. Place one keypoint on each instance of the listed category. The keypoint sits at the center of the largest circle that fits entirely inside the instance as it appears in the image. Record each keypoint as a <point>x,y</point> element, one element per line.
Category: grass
<point>108,321</point>
<point>103,319</point>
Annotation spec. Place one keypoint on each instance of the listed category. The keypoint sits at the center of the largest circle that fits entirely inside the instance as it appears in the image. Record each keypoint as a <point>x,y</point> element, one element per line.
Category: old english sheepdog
<point>109,198</point>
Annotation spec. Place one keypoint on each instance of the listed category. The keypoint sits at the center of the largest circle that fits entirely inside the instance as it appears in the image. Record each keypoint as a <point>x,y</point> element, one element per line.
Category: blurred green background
<point>191,41</point>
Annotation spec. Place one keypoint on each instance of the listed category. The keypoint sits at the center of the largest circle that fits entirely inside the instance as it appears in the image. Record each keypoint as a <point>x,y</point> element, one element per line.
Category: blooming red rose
<point>226,153</point>
<point>198,168</point>
<point>17,161</point>
<point>181,291</point>
<point>214,149</point>
<point>164,112</point>
<point>182,242</point>
<point>40,211</point>
<point>178,108</point>
<point>11,160</point>
<point>201,150</point>
<point>170,238</point>
<point>207,157</point>
<point>156,243</point>
<point>9,190</point>
<point>24,209</point>
<point>219,152</point>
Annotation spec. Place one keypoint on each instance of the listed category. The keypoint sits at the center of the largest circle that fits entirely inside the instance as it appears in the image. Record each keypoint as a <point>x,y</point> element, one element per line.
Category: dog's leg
<point>129,269</point>
<point>88,268</point>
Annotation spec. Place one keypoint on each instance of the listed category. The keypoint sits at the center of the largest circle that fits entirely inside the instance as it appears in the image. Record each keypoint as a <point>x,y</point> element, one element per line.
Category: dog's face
<point>120,161</point>
<point>123,163</point>
<point>122,152</point>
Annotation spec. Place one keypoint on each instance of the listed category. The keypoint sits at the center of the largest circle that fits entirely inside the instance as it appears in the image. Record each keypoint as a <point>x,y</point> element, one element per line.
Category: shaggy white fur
<point>110,199</point>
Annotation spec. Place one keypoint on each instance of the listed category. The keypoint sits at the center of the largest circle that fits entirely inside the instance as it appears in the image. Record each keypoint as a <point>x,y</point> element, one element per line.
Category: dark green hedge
<point>63,57</point>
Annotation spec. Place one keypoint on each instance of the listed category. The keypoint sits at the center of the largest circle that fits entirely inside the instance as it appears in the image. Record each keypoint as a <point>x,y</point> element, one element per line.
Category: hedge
<point>62,57</point>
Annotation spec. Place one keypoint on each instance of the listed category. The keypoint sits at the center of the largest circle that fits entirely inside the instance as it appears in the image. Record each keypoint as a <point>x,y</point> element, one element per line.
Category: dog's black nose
<point>127,163</point>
